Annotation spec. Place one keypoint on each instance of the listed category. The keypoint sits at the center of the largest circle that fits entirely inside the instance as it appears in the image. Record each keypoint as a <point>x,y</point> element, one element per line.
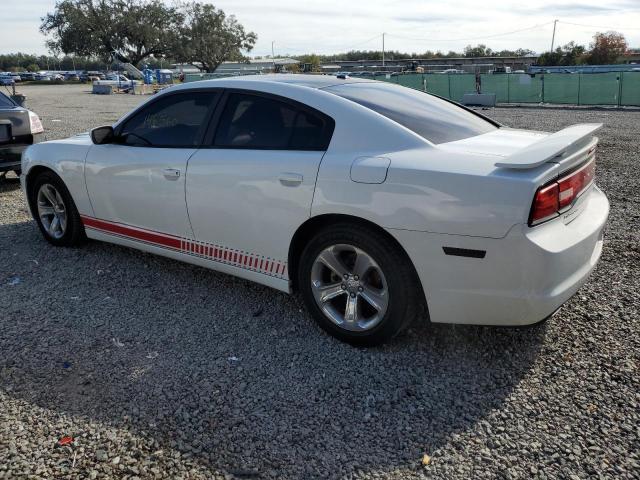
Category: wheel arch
<point>31,176</point>
<point>305,231</point>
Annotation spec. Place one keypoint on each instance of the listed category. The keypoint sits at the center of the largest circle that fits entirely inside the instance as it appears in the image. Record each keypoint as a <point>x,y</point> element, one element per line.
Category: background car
<point>19,128</point>
<point>6,79</point>
<point>369,198</point>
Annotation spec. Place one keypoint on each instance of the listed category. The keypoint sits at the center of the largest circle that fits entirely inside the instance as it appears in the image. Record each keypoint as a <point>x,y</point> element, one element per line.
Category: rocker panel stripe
<point>214,252</point>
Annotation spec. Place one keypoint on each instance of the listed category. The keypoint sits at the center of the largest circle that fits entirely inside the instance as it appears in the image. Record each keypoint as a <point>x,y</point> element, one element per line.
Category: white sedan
<point>370,199</point>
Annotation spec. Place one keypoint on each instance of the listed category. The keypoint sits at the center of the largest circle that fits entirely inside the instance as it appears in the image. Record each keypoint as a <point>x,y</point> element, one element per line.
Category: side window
<point>173,121</point>
<point>258,122</point>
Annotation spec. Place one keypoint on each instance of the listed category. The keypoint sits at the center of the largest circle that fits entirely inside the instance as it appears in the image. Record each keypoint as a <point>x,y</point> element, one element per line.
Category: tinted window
<point>430,117</point>
<point>6,102</point>
<point>173,121</point>
<point>253,121</point>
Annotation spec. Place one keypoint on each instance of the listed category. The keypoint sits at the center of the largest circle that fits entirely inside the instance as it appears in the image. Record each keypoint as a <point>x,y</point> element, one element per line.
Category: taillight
<point>552,199</point>
<point>36,124</point>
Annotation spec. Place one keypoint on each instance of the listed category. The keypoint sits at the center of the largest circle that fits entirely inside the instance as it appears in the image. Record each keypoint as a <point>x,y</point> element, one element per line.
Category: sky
<point>335,26</point>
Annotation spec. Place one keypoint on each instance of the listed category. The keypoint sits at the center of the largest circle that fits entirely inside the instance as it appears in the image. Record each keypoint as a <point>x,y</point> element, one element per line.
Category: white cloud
<point>331,26</point>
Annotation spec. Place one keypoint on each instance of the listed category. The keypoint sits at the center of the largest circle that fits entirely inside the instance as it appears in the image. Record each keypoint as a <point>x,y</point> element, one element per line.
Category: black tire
<point>74,233</point>
<point>404,295</point>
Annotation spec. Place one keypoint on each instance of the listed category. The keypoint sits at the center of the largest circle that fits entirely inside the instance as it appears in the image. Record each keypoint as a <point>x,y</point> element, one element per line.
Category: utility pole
<point>273,56</point>
<point>553,37</point>
<point>383,34</point>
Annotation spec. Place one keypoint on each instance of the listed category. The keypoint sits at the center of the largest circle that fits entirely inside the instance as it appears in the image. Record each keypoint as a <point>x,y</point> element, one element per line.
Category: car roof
<point>305,80</point>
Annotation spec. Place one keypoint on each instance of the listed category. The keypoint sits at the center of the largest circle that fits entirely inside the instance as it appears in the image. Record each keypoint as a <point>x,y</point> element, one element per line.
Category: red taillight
<point>545,204</point>
<point>573,184</point>
<point>553,198</point>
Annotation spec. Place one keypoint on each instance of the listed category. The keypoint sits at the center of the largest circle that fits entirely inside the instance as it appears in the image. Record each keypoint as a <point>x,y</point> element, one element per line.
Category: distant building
<point>260,65</point>
<point>438,64</point>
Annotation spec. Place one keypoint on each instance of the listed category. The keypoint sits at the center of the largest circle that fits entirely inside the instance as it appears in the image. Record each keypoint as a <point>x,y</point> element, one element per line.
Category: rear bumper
<point>11,153</point>
<point>523,277</point>
<point>10,157</point>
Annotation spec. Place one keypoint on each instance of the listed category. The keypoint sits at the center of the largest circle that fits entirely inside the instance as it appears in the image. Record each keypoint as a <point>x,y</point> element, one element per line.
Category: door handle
<point>171,173</point>
<point>289,179</point>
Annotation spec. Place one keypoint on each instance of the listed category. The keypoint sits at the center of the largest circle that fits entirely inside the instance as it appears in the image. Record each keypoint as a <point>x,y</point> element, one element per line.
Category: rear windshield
<point>430,117</point>
<point>6,102</point>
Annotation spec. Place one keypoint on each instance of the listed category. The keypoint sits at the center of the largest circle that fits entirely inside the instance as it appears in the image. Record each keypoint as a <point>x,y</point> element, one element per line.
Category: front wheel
<point>358,284</point>
<point>55,212</point>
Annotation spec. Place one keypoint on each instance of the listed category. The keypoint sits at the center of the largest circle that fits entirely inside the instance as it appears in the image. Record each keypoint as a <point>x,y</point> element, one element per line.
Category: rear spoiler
<point>549,147</point>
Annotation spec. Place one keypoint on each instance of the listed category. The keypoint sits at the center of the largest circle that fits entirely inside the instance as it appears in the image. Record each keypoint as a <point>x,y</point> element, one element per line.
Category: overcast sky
<point>333,26</point>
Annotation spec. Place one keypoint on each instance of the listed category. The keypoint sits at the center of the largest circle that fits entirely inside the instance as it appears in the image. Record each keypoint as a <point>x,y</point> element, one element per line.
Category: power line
<point>473,38</point>
<point>598,26</point>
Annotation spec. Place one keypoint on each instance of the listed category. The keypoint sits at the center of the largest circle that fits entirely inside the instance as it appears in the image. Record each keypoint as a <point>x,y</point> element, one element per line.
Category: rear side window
<point>176,120</point>
<point>260,122</point>
<point>430,117</point>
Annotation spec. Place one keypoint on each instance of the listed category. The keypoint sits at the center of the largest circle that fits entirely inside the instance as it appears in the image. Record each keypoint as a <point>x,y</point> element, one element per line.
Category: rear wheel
<point>357,283</point>
<point>55,212</point>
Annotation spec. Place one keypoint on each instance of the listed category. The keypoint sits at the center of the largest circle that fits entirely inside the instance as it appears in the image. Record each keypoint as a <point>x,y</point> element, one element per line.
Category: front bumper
<point>523,278</point>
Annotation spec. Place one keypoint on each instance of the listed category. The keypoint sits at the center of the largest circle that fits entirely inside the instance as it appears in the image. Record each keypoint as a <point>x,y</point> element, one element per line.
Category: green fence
<point>615,88</point>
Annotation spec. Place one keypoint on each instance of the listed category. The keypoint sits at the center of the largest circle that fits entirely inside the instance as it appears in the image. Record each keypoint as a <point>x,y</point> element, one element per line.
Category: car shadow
<point>235,376</point>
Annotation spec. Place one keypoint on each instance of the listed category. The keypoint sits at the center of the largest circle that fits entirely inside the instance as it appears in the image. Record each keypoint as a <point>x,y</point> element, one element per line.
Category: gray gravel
<point>161,370</point>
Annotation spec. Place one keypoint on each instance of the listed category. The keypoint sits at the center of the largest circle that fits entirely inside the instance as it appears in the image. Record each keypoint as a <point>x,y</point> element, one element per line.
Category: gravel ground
<point>163,370</point>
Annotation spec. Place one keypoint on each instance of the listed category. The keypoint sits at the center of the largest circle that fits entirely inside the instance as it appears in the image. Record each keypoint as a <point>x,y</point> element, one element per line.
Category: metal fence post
<point>620,77</point>
<point>579,81</point>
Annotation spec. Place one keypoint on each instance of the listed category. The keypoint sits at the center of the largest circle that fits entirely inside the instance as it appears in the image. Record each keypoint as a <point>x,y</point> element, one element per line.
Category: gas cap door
<point>370,169</point>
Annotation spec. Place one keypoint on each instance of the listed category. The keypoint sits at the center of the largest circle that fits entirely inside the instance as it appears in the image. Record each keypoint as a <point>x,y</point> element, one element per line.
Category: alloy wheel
<point>52,211</point>
<point>349,287</point>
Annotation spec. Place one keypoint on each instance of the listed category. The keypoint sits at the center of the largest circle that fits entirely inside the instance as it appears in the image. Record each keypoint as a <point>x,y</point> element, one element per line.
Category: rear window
<point>6,102</point>
<point>430,117</point>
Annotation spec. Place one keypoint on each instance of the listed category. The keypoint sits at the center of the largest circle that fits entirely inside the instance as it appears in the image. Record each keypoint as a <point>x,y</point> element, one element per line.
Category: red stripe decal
<point>144,235</point>
<point>185,245</point>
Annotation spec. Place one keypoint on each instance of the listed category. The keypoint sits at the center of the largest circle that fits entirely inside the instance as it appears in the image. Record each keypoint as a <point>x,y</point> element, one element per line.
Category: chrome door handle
<point>289,179</point>
<point>171,173</point>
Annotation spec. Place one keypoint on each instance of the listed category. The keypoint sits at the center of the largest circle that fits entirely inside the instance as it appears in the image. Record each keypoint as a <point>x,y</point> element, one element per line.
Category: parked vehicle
<point>6,79</point>
<point>19,128</point>
<point>16,77</point>
<point>367,197</point>
<point>27,76</point>
<point>452,71</point>
<point>43,77</point>
<point>501,70</point>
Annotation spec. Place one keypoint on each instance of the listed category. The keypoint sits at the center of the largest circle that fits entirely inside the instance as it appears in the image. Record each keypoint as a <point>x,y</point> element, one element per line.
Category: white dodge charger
<point>371,199</point>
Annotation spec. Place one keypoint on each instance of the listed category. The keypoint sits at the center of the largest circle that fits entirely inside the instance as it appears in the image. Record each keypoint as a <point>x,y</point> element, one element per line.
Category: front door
<point>139,181</point>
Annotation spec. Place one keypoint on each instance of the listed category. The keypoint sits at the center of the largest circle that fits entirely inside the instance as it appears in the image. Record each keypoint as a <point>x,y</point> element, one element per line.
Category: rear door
<point>252,183</point>
<point>140,180</point>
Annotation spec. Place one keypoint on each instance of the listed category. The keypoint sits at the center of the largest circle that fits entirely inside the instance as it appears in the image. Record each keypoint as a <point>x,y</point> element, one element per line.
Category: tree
<point>311,62</point>
<point>477,51</point>
<point>209,37</point>
<point>569,54</point>
<point>129,30</point>
<point>606,48</point>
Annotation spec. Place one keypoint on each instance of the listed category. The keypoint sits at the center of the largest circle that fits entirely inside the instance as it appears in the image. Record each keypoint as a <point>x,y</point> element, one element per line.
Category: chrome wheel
<point>51,210</point>
<point>349,287</point>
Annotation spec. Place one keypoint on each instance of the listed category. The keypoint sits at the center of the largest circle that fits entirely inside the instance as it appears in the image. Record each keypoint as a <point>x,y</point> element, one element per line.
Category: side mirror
<point>102,135</point>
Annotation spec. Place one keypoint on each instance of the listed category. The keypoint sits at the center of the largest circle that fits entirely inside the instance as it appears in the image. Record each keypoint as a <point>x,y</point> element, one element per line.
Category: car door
<point>139,180</point>
<point>251,185</point>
